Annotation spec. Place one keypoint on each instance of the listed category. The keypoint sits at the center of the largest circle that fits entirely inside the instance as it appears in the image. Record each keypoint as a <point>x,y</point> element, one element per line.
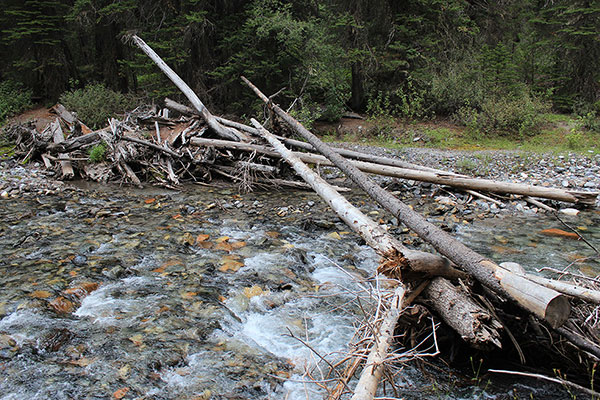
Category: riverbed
<point>112,292</point>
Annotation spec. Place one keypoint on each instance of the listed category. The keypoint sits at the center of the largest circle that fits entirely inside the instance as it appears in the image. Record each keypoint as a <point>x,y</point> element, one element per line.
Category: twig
<point>547,378</point>
<point>577,233</point>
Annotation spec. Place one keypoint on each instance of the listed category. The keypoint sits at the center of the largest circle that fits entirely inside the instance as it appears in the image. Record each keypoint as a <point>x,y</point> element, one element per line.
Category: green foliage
<point>428,57</point>
<point>516,116</point>
<point>95,103</point>
<point>589,121</point>
<point>13,99</point>
<point>98,153</point>
<point>407,101</point>
<point>575,140</point>
<point>457,86</point>
<point>279,45</point>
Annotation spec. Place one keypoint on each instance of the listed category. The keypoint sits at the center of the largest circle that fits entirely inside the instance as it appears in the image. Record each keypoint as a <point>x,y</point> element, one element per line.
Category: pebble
<point>569,211</point>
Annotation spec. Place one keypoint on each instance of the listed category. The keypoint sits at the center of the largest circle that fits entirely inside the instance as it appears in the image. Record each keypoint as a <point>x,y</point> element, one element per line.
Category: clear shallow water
<point>195,298</point>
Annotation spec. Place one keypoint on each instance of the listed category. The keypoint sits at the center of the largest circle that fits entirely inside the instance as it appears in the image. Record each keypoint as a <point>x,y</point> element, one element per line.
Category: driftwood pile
<point>490,306</point>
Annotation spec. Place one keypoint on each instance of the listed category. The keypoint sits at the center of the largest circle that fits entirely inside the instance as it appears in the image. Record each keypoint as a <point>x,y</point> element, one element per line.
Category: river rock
<point>569,211</point>
<point>445,200</point>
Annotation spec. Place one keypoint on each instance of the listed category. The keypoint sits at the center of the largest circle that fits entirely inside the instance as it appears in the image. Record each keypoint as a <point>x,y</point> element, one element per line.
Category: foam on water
<point>264,261</point>
<point>28,324</point>
<point>119,303</point>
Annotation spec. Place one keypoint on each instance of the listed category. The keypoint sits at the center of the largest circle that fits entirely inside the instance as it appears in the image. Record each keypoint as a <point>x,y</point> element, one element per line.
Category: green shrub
<point>508,115</point>
<point>95,103</point>
<point>98,153</point>
<point>575,140</point>
<point>456,87</point>
<point>381,114</point>
<point>407,101</point>
<point>589,121</point>
<point>13,99</point>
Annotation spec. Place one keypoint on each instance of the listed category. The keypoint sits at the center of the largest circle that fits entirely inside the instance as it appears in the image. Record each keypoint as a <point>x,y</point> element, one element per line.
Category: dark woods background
<point>413,58</point>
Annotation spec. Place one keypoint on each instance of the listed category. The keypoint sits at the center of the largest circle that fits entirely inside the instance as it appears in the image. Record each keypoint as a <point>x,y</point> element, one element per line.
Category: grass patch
<point>559,133</point>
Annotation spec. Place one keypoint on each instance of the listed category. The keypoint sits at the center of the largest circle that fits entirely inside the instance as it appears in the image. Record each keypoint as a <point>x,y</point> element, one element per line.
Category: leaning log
<point>394,255</point>
<point>392,251</point>
<point>543,302</point>
<point>219,129</point>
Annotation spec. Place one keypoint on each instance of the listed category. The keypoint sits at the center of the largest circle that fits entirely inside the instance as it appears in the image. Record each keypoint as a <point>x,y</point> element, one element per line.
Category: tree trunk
<point>219,129</point>
<point>392,251</point>
<point>357,101</point>
<point>475,325</point>
<point>553,307</point>
<point>59,137</point>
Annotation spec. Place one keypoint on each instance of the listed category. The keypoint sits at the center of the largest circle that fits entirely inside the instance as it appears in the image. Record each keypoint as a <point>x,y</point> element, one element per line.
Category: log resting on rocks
<point>543,302</point>
<point>59,137</point>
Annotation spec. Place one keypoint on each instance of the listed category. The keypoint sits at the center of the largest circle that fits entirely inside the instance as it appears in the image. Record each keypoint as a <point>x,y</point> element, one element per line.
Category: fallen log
<point>59,137</point>
<point>486,185</point>
<point>391,250</point>
<point>458,181</point>
<point>394,255</point>
<point>163,149</point>
<point>219,129</point>
<point>543,302</point>
<point>585,294</point>
<point>371,373</point>
<point>459,312</point>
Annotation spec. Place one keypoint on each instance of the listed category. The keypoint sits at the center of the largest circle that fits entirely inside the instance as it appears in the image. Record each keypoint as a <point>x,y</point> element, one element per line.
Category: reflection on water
<point>196,295</point>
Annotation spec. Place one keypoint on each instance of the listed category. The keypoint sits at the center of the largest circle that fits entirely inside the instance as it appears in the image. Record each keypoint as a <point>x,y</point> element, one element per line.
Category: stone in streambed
<point>569,211</point>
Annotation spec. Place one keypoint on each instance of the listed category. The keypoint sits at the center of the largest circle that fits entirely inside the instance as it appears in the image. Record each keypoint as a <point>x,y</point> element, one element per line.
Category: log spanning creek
<point>152,294</point>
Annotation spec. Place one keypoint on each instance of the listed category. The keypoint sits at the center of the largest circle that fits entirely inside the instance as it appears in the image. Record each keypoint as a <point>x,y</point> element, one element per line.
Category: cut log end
<point>557,311</point>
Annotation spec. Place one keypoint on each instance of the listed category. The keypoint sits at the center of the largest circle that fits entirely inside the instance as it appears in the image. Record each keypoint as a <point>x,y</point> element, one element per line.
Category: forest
<point>491,65</point>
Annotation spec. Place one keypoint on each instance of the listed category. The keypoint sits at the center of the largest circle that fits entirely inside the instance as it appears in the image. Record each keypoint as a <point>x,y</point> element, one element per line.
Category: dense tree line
<point>411,58</point>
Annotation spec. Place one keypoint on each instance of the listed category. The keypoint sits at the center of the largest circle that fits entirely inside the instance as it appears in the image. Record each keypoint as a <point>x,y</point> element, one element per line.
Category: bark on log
<point>392,251</point>
<point>75,143</point>
<point>219,129</point>
<point>371,374</point>
<point>129,172</point>
<point>585,294</point>
<point>65,114</point>
<point>59,137</point>
<point>552,306</point>
<point>475,325</point>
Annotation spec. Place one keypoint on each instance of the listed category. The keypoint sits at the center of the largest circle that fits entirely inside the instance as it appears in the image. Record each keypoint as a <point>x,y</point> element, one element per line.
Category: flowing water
<point>206,294</point>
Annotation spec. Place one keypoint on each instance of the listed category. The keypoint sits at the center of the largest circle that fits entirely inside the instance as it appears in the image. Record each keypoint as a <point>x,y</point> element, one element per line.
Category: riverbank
<point>568,171</point>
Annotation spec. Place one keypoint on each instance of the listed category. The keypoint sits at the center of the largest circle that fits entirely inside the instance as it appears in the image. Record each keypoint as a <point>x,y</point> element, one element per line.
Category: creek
<point>153,294</point>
